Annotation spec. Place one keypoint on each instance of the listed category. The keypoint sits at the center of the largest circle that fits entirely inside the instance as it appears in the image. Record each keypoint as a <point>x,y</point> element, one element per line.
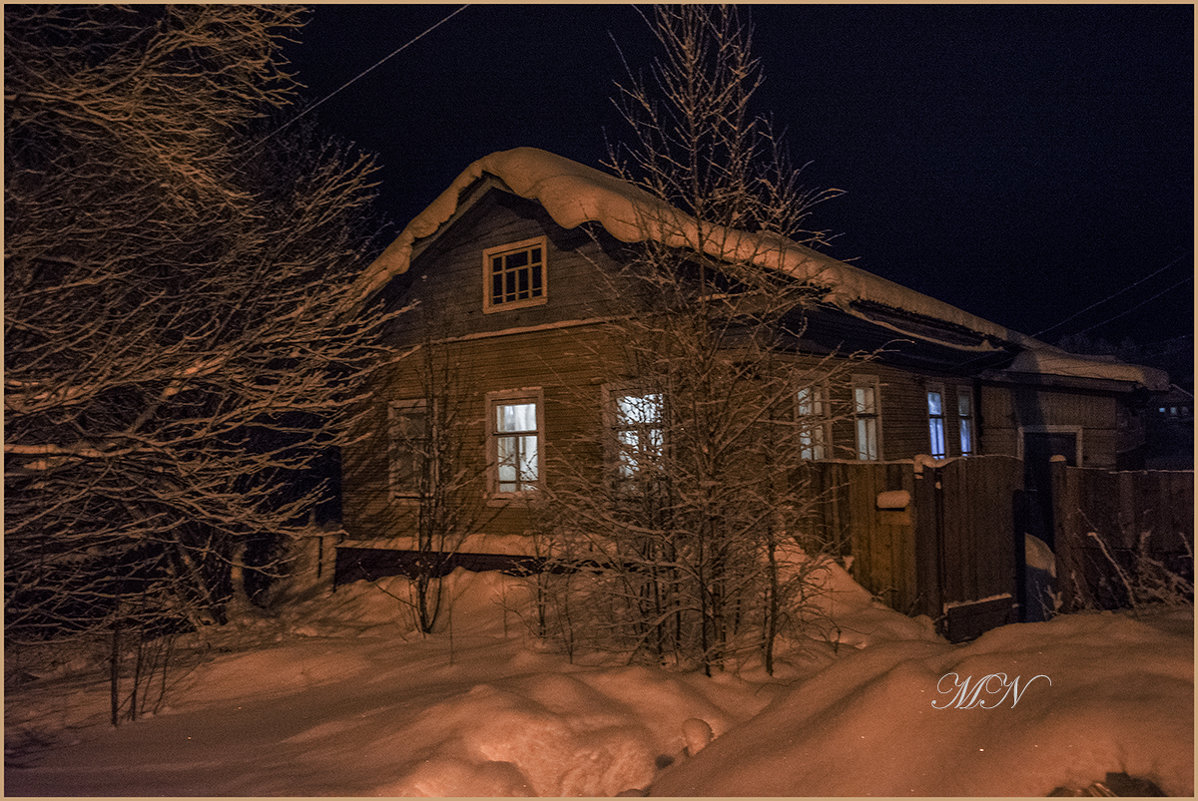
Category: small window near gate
<point>965,416</point>
<point>936,420</point>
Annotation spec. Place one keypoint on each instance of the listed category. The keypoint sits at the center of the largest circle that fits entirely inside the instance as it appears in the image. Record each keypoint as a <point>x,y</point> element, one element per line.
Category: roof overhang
<point>573,195</point>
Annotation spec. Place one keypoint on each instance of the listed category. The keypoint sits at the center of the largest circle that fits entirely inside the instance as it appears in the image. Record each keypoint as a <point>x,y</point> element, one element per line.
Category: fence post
<point>1063,505</point>
<point>926,532</point>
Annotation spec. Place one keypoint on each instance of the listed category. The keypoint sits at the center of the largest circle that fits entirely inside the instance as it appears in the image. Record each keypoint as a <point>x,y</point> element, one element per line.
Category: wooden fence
<point>1122,538</point>
<point>949,552</point>
<point>945,541</point>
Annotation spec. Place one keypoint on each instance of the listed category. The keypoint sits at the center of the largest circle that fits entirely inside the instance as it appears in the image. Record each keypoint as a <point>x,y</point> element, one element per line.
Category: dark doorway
<point>1038,449</point>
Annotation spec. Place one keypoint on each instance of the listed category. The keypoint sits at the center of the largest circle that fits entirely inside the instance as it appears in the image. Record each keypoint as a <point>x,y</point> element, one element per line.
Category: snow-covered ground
<point>338,696</point>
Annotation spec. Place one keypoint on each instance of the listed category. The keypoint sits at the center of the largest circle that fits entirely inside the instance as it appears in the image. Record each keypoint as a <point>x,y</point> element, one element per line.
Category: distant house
<point>502,269</point>
<point>1168,430</point>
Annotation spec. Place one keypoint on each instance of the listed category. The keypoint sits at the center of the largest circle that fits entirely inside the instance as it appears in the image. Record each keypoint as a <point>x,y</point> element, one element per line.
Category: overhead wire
<point>983,357</point>
<point>1111,297</point>
<point>1169,288</point>
<point>359,76</point>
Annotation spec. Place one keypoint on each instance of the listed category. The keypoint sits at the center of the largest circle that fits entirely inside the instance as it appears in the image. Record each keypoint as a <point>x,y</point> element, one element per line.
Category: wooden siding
<point>447,278</point>
<point>1005,409</point>
<point>566,366</point>
<point>904,413</point>
<point>553,347</point>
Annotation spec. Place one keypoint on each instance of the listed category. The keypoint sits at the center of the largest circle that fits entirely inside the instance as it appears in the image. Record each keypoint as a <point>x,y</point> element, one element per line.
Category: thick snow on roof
<point>1052,361</point>
<point>573,194</point>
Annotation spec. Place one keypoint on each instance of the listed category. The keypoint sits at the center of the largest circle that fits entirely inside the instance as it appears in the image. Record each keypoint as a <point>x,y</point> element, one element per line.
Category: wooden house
<point>503,273</point>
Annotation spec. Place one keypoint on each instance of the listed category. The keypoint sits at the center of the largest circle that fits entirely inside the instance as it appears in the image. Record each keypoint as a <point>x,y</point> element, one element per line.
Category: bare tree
<point>436,480</point>
<point>179,356</point>
<point>698,530</point>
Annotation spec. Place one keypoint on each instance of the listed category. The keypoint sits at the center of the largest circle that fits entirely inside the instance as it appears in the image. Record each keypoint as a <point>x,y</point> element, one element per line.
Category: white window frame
<point>933,419</point>
<point>815,425</point>
<point>394,409</point>
<point>967,433</point>
<point>1075,430</point>
<point>871,382</point>
<point>611,424</point>
<point>533,395</point>
<point>489,304</point>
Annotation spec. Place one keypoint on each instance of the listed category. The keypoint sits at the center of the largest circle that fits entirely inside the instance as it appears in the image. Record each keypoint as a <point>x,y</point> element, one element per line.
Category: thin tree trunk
<point>114,674</point>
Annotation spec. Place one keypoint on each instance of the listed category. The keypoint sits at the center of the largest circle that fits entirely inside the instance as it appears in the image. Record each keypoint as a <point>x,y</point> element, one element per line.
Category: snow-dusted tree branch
<point>435,482</point>
<point>698,529</point>
<point>179,353</point>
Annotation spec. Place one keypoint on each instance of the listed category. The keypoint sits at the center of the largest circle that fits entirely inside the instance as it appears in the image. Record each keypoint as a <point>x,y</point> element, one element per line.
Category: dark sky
<point>1020,162</point>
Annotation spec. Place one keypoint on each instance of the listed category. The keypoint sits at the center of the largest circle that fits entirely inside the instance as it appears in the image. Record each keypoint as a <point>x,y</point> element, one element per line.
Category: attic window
<point>514,275</point>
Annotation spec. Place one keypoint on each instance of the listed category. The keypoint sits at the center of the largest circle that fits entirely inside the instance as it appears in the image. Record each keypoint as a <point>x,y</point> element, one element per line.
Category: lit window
<point>813,422</point>
<point>965,414</point>
<point>866,418</point>
<point>515,449</point>
<point>637,426</point>
<point>514,275</point>
<point>408,428</point>
<point>936,421</point>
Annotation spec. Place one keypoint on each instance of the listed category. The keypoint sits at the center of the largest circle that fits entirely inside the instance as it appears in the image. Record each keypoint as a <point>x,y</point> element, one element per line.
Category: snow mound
<point>867,724</point>
<point>474,710</point>
<point>592,733</point>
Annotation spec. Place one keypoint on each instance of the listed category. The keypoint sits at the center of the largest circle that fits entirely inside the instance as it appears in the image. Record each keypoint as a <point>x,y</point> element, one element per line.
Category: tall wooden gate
<point>948,553</point>
<point>966,542</point>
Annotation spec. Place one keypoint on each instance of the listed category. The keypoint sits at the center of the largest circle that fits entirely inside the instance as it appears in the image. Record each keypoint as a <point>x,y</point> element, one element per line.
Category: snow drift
<point>337,695</point>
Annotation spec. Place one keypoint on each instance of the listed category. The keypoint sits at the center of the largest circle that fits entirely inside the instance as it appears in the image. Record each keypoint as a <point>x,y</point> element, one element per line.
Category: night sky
<point>1020,162</point>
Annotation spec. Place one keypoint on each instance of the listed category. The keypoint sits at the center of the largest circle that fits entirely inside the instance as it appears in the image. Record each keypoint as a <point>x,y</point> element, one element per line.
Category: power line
<point>984,356</point>
<point>361,74</point>
<point>1169,288</point>
<point>1110,297</point>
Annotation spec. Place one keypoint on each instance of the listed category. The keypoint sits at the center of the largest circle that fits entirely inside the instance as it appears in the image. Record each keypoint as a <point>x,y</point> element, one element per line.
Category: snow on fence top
<point>573,194</point>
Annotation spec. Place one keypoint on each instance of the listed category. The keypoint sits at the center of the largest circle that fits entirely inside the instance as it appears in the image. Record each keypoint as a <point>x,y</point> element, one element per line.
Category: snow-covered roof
<point>573,194</point>
<point>1048,360</point>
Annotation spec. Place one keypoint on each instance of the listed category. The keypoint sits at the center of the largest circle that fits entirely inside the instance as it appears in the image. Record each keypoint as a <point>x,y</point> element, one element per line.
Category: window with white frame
<point>515,441</point>
<point>514,275</point>
<point>866,417</point>
<point>936,420</point>
<point>965,419</point>
<point>814,435</point>
<point>408,443</point>
<point>636,420</point>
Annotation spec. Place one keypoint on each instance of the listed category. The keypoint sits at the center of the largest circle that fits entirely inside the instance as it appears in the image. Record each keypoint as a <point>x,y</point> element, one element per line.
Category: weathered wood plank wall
<point>1143,535</point>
